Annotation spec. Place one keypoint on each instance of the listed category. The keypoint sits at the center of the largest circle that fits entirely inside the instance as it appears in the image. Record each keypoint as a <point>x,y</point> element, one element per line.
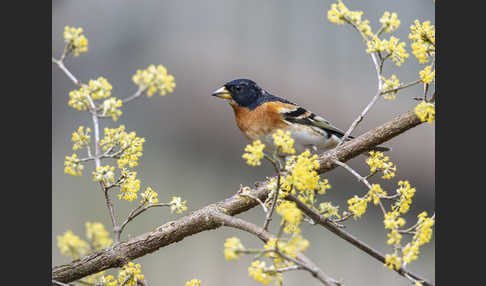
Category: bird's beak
<point>222,93</point>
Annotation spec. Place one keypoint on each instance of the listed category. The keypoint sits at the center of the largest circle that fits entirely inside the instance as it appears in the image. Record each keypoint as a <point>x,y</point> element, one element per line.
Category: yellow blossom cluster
<point>194,282</point>
<point>95,89</point>
<point>177,205</point>
<point>393,261</point>
<point>377,161</point>
<point>130,274</point>
<point>291,248</point>
<point>72,166</point>
<point>425,111</point>
<point>154,79</point>
<point>393,221</point>
<point>129,144</point>
<point>389,22</point>
<point>390,84</point>
<point>99,88</point>
<point>105,174</point>
<point>254,153</point>
<point>149,197</point>
<point>339,14</point>
<point>76,42</point>
<point>423,234</point>
<point>284,142</point>
<point>291,215</point>
<point>99,237</point>
<point>264,275</point>
<point>304,177</point>
<point>376,192</point>
<point>129,185</point>
<point>326,209</point>
<point>80,138</point>
<point>357,205</point>
<point>427,75</point>
<point>396,50</point>
<point>111,107</point>
<point>108,281</point>
<point>405,200</point>
<point>233,248</point>
<point>72,245</point>
<point>423,40</point>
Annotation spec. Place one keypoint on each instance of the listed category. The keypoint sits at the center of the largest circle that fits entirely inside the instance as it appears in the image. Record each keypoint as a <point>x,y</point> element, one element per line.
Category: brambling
<point>259,114</point>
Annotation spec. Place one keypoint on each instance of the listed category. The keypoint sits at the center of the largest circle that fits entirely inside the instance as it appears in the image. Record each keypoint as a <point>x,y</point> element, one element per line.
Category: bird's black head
<point>243,92</point>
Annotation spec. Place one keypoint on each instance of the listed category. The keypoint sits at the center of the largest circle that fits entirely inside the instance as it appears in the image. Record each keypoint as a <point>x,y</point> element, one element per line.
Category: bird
<point>259,115</point>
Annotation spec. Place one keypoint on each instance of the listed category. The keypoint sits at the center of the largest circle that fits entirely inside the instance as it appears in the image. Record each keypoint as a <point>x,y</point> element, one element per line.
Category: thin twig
<point>326,223</point>
<point>268,217</point>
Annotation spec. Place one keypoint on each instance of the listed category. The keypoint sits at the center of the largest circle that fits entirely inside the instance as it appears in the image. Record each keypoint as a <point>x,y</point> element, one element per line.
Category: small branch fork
<point>204,219</point>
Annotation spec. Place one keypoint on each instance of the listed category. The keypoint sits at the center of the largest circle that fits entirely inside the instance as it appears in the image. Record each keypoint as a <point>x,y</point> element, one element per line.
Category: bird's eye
<point>238,88</point>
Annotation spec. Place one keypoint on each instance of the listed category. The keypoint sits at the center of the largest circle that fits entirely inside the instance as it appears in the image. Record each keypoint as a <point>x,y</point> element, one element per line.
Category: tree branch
<point>323,221</point>
<point>204,219</point>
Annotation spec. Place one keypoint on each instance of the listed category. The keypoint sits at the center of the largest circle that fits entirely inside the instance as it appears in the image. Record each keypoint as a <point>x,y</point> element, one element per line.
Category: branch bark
<point>204,219</point>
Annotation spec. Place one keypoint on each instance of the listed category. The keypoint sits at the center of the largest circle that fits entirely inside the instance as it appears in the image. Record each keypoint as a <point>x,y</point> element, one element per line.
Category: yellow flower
<point>129,144</point>
<point>326,209</point>
<point>395,49</point>
<point>389,22</point>
<point>129,185</point>
<point>406,193</point>
<point>72,245</point>
<point>130,274</point>
<point>410,252</point>
<point>155,79</point>
<point>177,205</point>
<point>233,248</point>
<point>105,174</point>
<point>75,41</point>
<point>283,141</point>
<point>425,111</point>
<point>392,221</point>
<point>194,282</point>
<point>337,13</point>
<point>423,40</point>
<point>290,213</point>
<point>111,107</point>
<point>98,236</point>
<point>290,248</point>
<point>358,205</point>
<point>377,161</point>
<point>80,138</point>
<point>72,166</point>
<point>149,197</point>
<point>390,84</point>
<point>78,99</point>
<point>394,237</point>
<point>376,192</point>
<point>426,75</point>
<point>254,153</point>
<point>99,88</point>
<point>259,273</point>
<point>393,261</point>
<point>424,229</point>
<point>108,281</point>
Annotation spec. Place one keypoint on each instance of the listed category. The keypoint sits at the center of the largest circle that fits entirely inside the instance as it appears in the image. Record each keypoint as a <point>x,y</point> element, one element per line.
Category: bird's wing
<point>300,115</point>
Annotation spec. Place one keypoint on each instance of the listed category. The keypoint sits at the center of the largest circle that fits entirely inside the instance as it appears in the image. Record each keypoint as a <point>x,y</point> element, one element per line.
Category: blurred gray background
<point>194,147</point>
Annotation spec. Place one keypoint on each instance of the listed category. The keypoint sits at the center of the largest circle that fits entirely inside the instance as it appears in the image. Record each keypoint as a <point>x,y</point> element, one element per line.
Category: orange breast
<point>260,121</point>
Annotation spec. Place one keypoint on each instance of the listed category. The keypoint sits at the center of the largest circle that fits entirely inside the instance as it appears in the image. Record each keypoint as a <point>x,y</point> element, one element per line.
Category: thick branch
<point>203,219</point>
